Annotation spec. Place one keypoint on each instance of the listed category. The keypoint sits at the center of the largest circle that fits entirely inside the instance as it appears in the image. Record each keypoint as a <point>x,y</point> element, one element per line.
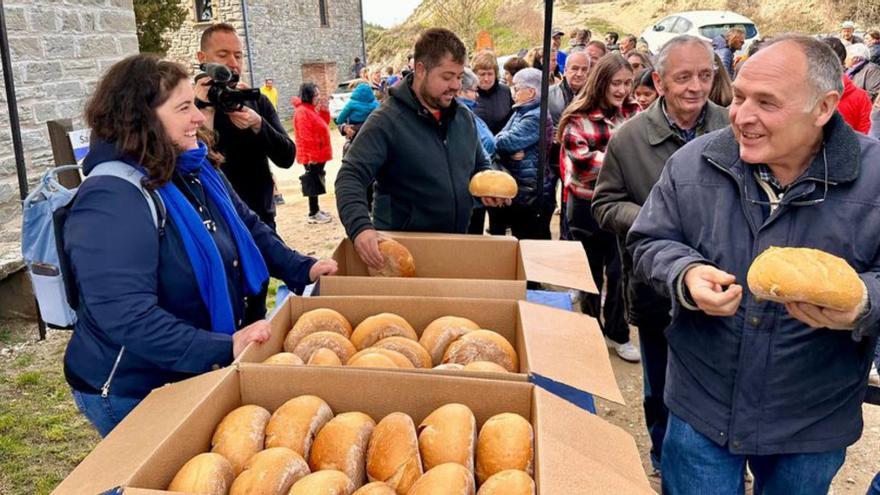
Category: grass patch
<point>28,379</point>
<point>23,361</point>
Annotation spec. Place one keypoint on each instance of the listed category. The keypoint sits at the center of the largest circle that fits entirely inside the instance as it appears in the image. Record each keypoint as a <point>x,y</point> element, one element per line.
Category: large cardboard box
<point>575,452</point>
<point>559,346</point>
<point>457,265</point>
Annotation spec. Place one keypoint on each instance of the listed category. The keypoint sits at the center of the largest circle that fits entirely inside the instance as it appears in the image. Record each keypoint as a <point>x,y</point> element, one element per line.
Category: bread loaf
<point>270,472</point>
<point>508,482</point>
<point>442,332</point>
<point>493,184</point>
<point>316,320</point>
<point>484,366</point>
<point>399,261</point>
<point>342,445</point>
<point>400,361</point>
<point>240,435</point>
<point>205,474</point>
<point>329,340</point>
<point>375,488</point>
<point>284,358</point>
<point>505,442</point>
<point>449,366</point>
<point>805,275</point>
<point>378,327</point>
<point>296,423</point>
<point>393,453</point>
<point>327,482</point>
<point>414,351</point>
<point>372,360</point>
<point>445,479</point>
<point>324,357</point>
<point>482,345</point>
<point>449,434</point>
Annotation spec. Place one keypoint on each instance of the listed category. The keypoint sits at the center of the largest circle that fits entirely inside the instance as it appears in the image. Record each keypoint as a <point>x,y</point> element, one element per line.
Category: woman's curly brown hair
<point>122,110</point>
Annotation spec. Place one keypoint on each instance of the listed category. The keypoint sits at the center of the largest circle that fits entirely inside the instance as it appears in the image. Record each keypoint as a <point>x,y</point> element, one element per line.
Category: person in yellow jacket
<point>270,92</point>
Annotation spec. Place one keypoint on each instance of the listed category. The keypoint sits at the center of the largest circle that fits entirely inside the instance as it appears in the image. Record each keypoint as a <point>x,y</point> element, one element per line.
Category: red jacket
<point>311,133</point>
<point>855,107</point>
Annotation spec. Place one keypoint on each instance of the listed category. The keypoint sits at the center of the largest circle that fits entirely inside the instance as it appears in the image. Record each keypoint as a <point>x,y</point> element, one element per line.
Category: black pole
<point>8,81</point>
<point>545,87</point>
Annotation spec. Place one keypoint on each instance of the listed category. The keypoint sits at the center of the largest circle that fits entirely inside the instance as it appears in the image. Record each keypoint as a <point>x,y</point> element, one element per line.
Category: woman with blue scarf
<point>161,304</point>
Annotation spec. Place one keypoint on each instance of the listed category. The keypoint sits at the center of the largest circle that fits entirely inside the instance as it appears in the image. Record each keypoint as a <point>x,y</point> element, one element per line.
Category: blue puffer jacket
<point>761,382</point>
<point>137,288</point>
<point>358,108</point>
<point>483,132</point>
<point>521,134</point>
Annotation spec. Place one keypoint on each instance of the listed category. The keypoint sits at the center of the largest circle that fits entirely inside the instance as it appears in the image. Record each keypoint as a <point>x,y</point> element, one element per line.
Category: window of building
<point>204,10</point>
<point>322,12</point>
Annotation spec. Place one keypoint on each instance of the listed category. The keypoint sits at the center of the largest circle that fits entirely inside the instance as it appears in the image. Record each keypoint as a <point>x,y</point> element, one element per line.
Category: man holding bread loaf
<point>421,150</point>
<point>749,379</point>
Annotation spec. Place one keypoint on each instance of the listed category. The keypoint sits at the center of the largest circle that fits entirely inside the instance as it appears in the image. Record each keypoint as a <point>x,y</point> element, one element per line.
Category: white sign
<point>79,141</point>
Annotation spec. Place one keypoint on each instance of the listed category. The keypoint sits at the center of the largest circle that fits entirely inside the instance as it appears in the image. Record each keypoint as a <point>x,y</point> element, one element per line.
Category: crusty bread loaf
<point>449,434</point>
<point>399,261</point>
<point>508,482</point>
<point>208,474</point>
<point>393,453</point>
<point>445,479</point>
<point>327,482</point>
<point>296,423</point>
<point>484,366</point>
<point>400,361</point>
<point>805,275</point>
<point>482,345</point>
<point>329,340</point>
<point>375,488</point>
<point>414,351</point>
<point>284,358</point>
<point>270,472</point>
<point>442,332</point>
<point>372,360</point>
<point>324,357</point>
<point>342,445</point>
<point>493,184</point>
<point>378,327</point>
<point>505,442</point>
<point>316,320</point>
<point>240,435</point>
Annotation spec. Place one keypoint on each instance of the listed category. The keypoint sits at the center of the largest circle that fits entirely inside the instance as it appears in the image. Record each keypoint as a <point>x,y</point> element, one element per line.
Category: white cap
<point>847,25</point>
<point>858,50</point>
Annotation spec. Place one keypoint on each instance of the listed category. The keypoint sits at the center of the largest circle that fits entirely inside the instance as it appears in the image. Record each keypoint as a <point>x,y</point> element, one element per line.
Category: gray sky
<point>387,13</point>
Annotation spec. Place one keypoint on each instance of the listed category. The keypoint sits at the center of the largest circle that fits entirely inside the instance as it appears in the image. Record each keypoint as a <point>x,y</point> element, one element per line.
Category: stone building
<point>281,38</point>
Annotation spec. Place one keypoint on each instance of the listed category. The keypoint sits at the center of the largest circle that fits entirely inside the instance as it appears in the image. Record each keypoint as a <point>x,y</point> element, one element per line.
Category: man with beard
<point>421,150</point>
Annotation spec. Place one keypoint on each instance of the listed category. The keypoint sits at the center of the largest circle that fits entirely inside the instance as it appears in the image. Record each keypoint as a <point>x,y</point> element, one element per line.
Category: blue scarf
<point>204,257</point>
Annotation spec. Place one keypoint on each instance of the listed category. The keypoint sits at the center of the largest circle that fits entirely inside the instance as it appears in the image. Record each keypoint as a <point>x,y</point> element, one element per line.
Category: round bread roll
<point>393,453</point>
<point>442,332</point>
<point>342,445</point>
<point>493,184</point>
<point>207,474</point>
<point>329,340</point>
<point>327,482</point>
<point>400,361</point>
<point>505,442</point>
<point>414,351</point>
<point>508,482</point>
<point>270,472</point>
<point>240,435</point>
<point>324,357</point>
<point>372,360</point>
<point>295,424</point>
<point>805,275</point>
<point>449,366</point>
<point>375,488</point>
<point>399,261</point>
<point>482,345</point>
<point>484,366</point>
<point>283,358</point>
<point>449,434</point>
<point>446,479</point>
<point>316,320</point>
<point>378,327</point>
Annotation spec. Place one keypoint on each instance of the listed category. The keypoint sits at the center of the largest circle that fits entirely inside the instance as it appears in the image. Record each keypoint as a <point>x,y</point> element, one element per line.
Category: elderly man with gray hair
<point>864,73</point>
<point>777,386</point>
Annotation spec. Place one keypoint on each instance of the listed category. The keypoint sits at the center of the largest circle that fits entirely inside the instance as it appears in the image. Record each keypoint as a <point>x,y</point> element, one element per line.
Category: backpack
<point>44,213</point>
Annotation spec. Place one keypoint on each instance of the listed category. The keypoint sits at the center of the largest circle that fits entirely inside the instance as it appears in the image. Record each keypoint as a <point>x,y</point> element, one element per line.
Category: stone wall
<point>184,43</point>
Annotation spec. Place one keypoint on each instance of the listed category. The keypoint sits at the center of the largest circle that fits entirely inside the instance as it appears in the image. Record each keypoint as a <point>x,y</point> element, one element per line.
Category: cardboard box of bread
<point>491,338</point>
<point>458,265</point>
<point>264,429</point>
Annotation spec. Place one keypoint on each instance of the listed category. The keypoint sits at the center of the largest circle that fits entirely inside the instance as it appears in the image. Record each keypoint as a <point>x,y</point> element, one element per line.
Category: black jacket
<point>248,154</point>
<point>495,106</point>
<point>421,167</point>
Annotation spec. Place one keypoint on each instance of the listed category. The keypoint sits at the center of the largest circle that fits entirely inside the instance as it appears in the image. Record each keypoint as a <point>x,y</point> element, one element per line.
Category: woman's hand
<point>257,331</point>
<point>322,267</point>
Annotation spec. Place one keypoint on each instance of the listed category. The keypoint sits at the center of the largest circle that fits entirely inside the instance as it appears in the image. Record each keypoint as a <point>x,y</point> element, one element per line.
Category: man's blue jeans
<point>695,465</point>
<point>104,413</point>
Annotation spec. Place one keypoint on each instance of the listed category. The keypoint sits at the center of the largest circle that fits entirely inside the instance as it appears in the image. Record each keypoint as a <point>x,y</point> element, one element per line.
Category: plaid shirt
<point>583,148</point>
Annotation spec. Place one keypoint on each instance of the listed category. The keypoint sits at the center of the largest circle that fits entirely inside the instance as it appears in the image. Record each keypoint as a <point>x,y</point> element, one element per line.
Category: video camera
<point>222,91</point>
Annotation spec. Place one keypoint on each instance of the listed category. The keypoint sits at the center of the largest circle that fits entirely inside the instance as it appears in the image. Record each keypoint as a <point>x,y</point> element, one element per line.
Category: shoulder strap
<point>134,176</point>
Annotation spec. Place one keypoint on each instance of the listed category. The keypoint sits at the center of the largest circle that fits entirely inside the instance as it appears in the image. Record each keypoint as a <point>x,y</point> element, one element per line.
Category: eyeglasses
<point>806,202</point>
